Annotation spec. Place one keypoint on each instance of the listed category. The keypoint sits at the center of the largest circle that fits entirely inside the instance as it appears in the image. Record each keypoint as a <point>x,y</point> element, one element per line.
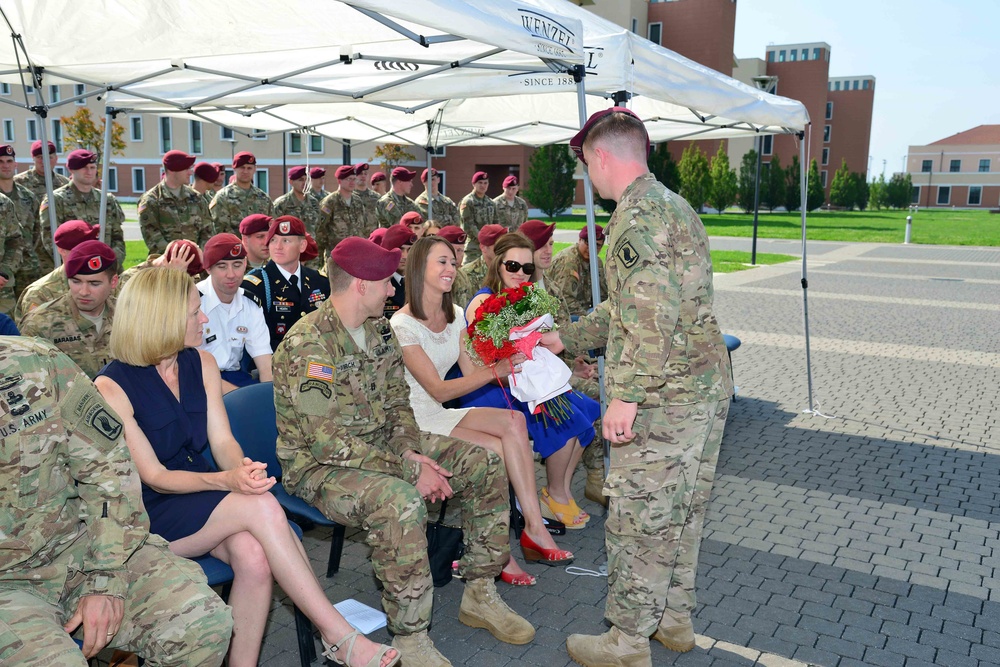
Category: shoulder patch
<point>253,297</point>
<point>626,254</point>
<point>252,279</point>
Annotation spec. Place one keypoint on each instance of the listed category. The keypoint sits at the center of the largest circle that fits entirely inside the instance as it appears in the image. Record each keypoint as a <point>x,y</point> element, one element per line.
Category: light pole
<point>903,168</point>
<point>868,172</point>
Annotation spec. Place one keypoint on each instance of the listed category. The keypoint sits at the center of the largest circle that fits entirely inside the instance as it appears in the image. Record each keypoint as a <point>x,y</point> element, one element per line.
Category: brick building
<point>962,170</point>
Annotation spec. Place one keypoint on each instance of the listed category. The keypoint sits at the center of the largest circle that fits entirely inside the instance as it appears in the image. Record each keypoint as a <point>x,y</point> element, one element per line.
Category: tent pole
<point>109,120</point>
<point>429,184</point>
<point>803,175</point>
<point>756,201</point>
<point>42,113</point>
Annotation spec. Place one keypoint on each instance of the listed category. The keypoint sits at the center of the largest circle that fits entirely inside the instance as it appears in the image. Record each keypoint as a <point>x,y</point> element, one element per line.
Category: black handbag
<point>445,545</point>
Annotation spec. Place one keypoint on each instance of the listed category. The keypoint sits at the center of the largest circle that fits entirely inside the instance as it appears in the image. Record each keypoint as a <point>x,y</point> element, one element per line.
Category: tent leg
<point>756,201</point>
<point>109,121</point>
<point>430,184</point>
<point>803,177</point>
<point>42,112</point>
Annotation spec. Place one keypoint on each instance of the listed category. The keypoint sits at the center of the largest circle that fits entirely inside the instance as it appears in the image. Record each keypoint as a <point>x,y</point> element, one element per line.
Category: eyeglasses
<point>514,267</point>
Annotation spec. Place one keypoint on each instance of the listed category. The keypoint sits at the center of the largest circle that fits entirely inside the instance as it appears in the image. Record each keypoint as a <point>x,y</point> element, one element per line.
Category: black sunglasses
<point>514,267</point>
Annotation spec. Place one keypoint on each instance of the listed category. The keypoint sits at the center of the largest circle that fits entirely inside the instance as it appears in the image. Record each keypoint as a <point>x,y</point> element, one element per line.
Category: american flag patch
<point>320,372</point>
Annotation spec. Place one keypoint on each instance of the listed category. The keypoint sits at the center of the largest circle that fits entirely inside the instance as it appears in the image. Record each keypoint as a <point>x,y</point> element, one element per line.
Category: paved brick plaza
<point>869,538</point>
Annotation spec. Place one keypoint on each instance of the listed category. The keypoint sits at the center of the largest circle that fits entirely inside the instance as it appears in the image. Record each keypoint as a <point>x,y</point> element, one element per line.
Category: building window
<point>781,56</point>
<point>32,126</point>
<point>836,85</point>
<point>826,156</point>
<point>770,56</point>
<point>805,54</point>
<point>439,151</point>
<point>4,89</point>
<point>816,53</point>
<point>822,178</point>
<point>8,130</point>
<point>295,143</point>
<point>138,179</point>
<point>57,135</point>
<point>915,195</point>
<point>925,166</point>
<point>166,134</point>
<point>955,166</point>
<point>827,130</point>
<point>655,32</point>
<point>78,90</point>
<point>135,126</point>
<point>60,170</point>
<point>829,110</point>
<point>258,135</point>
<point>793,55</point>
<point>984,166</point>
<point>315,143</point>
<point>196,143</point>
<point>261,179</point>
<point>53,94</point>
<point>767,144</point>
<point>635,25</point>
<point>112,183</point>
<point>975,195</point>
<point>866,84</point>
<point>226,134</point>
<point>944,195</point>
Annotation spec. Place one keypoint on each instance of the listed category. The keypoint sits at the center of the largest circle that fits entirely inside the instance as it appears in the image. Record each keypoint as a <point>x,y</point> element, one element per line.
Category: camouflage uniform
<point>306,210</point>
<point>61,323</point>
<point>665,353</point>
<point>344,422</point>
<point>445,211</point>
<point>73,525</point>
<point>71,204</point>
<point>26,211</point>
<point>510,215</point>
<point>392,207</point>
<point>132,271</point>
<point>10,253</point>
<point>232,203</point>
<point>50,286</point>
<point>477,212</point>
<point>165,217</point>
<point>569,279</point>
<point>462,290</point>
<point>475,271</point>
<point>35,182</point>
<point>338,220</point>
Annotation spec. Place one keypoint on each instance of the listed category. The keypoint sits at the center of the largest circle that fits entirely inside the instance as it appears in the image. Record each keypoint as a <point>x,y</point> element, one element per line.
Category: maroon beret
<point>377,177</point>
<point>423,176</point>
<point>222,247</point>
<point>576,143</point>
<point>403,174</point>
<point>360,167</point>
<point>7,149</point>
<point>397,236</point>
<point>286,225</point>
<point>452,234</point>
<point>257,222</point>
<point>173,248</point>
<point>344,171</point>
<point>295,173</point>
<point>36,148</point>
<point>538,231</point>
<point>317,172</point>
<point>88,258</point>
<point>598,233</point>
<point>377,235</point>
<point>480,176</point>
<point>242,158</point>
<point>206,172</point>
<point>178,161</point>
<point>489,234</point>
<point>80,158</point>
<point>218,165</point>
<point>411,218</point>
<point>74,232</point>
<point>509,181</point>
<point>365,260</point>
<point>312,249</point>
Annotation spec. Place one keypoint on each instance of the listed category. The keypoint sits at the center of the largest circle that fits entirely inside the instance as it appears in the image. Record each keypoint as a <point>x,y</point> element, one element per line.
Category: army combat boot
<point>482,607</point>
<point>675,631</point>
<point>417,650</point>
<point>594,490</point>
<point>612,649</point>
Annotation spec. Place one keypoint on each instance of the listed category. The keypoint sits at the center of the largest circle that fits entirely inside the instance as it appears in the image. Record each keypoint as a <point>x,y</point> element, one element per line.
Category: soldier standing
<point>253,232</point>
<point>242,198</point>
<point>285,288</point>
<point>348,443</point>
<point>172,209</point>
<point>379,184</point>
<point>512,211</point>
<point>84,556</point>
<point>477,269</point>
<point>444,209</point>
<point>10,253</point>
<point>477,211</point>
<point>317,183</point>
<point>80,200</point>
<point>79,323</point>
<point>297,202</point>
<point>393,204</point>
<point>569,277</point>
<point>205,176</point>
<point>34,180</point>
<point>669,383</point>
<point>342,214</point>
<point>368,197</point>
<point>25,210</point>
<point>54,284</point>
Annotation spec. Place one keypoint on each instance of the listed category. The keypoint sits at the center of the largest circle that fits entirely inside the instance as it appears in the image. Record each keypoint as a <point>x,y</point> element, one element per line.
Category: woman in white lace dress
<point>431,331</point>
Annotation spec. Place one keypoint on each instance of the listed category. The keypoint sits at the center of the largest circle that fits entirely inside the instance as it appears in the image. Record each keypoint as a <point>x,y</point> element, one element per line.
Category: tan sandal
<point>376,661</point>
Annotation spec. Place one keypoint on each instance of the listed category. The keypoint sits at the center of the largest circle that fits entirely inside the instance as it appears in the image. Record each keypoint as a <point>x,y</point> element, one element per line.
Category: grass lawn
<point>723,261</point>
<point>930,226</point>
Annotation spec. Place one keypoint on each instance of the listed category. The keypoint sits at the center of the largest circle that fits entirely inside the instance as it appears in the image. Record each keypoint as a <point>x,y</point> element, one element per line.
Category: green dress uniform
<point>306,210</point>
<point>232,203</point>
<point>61,323</point>
<point>11,248</point>
<point>511,214</point>
<point>476,212</point>
<point>340,218</point>
<point>344,423</point>
<point>666,353</point>
<point>392,207</point>
<point>445,210</point>
<point>569,279</point>
<point>50,286</point>
<point>283,303</point>
<point>71,204</point>
<point>26,210</point>
<point>165,216</point>
<point>73,525</point>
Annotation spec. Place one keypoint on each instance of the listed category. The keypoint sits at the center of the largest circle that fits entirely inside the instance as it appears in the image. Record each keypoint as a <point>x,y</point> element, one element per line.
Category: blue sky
<point>936,64</point>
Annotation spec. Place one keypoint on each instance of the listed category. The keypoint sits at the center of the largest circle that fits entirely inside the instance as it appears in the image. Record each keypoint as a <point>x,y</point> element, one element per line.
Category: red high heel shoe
<point>536,554</point>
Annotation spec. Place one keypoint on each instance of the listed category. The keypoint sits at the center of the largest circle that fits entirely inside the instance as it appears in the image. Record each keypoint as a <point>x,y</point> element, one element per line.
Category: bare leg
<point>250,597</point>
<point>559,467</point>
<point>262,520</point>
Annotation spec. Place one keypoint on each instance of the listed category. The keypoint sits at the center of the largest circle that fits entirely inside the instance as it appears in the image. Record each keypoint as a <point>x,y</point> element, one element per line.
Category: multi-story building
<point>962,170</point>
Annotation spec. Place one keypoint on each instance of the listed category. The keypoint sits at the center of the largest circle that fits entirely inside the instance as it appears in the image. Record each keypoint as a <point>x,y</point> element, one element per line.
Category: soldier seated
<point>349,444</point>
<point>181,254</point>
<point>76,555</point>
<point>54,284</point>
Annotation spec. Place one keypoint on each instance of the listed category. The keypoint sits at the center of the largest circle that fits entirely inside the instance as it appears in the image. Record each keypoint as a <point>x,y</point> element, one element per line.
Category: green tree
<point>748,172</point>
<point>696,179</point>
<point>842,187</point>
<point>859,189</point>
<point>775,184</point>
<point>878,193</point>
<point>724,185</point>
<point>793,189</point>
<point>80,131</point>
<point>392,155</point>
<point>899,192</point>
<point>551,186</point>
<point>663,166</point>
<point>814,190</point>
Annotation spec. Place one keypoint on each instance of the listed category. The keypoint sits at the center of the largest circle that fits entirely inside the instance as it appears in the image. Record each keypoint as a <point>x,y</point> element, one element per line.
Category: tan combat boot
<point>676,631</point>
<point>482,607</point>
<point>594,490</point>
<point>417,650</point>
<point>612,649</point>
